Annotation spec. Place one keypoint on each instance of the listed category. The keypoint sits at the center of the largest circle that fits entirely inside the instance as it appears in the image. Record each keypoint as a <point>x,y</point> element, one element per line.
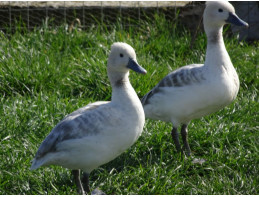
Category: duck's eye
<point>220,10</point>
<point>121,55</point>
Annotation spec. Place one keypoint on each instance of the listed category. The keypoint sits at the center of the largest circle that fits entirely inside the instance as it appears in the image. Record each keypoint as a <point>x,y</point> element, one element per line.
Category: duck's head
<point>122,58</point>
<point>219,13</point>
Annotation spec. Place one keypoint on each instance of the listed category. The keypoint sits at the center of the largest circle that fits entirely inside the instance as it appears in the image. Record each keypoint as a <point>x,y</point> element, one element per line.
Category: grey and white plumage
<point>196,90</point>
<point>99,132</point>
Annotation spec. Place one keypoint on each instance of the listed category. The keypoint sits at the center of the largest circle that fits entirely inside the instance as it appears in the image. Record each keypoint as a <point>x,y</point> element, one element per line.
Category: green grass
<point>50,72</point>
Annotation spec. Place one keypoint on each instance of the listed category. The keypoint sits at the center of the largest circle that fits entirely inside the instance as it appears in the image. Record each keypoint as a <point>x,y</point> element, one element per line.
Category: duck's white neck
<point>118,79</point>
<point>122,91</point>
<point>216,53</point>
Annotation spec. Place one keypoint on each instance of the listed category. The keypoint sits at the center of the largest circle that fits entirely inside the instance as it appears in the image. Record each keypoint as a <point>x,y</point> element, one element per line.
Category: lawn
<point>49,72</point>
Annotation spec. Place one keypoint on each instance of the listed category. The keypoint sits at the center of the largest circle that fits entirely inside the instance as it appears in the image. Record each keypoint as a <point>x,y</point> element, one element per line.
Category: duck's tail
<point>35,164</point>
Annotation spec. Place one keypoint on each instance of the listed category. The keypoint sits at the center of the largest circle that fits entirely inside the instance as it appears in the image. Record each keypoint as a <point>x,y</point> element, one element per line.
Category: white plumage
<point>197,90</point>
<point>101,131</point>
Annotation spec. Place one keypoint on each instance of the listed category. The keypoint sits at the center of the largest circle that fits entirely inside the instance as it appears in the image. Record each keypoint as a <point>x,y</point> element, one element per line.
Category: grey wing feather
<point>183,76</point>
<point>75,125</point>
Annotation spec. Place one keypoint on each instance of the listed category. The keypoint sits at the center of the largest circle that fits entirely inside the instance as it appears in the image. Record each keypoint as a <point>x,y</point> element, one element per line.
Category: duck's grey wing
<point>187,75</point>
<point>76,125</point>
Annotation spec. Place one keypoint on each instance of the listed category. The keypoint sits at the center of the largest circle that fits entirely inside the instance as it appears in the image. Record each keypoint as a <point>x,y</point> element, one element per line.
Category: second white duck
<point>196,90</point>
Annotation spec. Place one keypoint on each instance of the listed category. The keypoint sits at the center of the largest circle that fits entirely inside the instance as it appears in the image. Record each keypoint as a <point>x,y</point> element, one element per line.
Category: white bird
<point>99,132</point>
<point>196,90</point>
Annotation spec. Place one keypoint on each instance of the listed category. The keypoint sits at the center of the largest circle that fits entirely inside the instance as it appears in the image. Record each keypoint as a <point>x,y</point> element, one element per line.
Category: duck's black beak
<point>235,20</point>
<point>133,65</point>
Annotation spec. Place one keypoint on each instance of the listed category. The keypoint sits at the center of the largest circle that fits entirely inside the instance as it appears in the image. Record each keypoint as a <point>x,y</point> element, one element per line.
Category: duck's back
<point>188,93</point>
<point>92,136</point>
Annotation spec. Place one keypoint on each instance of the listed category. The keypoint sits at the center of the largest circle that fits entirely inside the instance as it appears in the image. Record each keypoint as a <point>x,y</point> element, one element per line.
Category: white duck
<point>99,132</point>
<point>196,90</point>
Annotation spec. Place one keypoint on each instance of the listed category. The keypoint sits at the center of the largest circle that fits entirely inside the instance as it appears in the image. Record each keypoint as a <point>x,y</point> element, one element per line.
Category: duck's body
<point>202,89</point>
<point>86,138</point>
<point>196,90</point>
<point>95,134</point>
<point>99,132</point>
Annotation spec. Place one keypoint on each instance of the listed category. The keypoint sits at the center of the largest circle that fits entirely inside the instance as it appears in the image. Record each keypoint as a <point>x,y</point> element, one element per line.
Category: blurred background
<point>84,14</point>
